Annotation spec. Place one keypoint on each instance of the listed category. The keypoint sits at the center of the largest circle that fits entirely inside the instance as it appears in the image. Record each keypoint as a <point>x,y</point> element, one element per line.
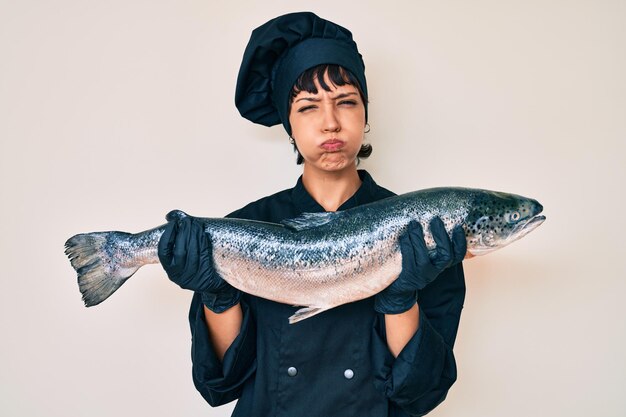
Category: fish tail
<point>97,259</point>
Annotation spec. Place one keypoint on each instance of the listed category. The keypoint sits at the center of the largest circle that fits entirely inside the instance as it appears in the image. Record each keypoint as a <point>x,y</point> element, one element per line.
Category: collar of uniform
<point>307,204</point>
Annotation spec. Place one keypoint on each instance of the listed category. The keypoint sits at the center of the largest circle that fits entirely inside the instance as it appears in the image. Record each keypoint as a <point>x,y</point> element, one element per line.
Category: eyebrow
<point>342,95</point>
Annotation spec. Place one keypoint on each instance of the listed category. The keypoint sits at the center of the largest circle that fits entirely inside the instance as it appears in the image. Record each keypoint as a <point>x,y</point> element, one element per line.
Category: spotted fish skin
<point>318,260</point>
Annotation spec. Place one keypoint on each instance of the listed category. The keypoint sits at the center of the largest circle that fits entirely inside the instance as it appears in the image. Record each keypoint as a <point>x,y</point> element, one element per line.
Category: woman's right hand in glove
<point>186,254</point>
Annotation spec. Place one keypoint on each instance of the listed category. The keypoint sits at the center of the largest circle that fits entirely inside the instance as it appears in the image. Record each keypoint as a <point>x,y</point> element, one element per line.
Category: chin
<point>333,163</point>
<point>338,160</point>
<point>338,167</point>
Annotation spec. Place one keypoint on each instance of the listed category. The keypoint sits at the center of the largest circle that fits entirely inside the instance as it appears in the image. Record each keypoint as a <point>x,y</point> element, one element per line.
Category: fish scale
<point>318,260</point>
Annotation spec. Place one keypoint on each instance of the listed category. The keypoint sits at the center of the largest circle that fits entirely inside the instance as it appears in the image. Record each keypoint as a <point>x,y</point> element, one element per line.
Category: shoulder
<point>267,208</point>
<point>381,192</point>
<point>377,192</point>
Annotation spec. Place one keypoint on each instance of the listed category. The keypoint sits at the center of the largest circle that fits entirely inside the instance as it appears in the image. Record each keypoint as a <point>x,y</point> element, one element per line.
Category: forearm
<point>223,327</point>
<point>400,328</point>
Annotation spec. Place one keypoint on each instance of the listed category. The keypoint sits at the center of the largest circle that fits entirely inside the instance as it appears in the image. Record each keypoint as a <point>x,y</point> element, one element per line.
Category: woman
<point>383,356</point>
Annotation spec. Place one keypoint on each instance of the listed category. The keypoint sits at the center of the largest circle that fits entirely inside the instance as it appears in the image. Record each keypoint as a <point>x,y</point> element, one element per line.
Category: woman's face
<point>328,126</point>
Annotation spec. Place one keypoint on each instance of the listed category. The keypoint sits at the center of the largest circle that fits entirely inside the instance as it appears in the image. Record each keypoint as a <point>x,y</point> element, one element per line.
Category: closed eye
<point>305,108</point>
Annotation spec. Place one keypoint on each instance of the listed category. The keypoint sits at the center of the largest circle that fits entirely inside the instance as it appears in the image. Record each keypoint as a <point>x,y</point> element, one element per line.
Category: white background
<point>114,112</point>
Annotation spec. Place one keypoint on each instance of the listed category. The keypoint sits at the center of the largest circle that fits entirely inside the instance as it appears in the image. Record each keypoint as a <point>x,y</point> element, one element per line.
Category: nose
<point>331,121</point>
<point>538,207</point>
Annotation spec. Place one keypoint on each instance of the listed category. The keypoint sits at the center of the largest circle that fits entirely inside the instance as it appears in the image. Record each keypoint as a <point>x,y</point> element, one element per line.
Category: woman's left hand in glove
<point>419,265</point>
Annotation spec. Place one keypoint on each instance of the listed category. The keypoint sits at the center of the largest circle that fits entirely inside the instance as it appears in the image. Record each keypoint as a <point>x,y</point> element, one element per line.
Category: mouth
<point>530,225</point>
<point>332,145</point>
<point>524,228</point>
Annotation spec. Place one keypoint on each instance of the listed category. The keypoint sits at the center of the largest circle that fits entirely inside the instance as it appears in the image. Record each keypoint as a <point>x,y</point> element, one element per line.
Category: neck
<point>331,189</point>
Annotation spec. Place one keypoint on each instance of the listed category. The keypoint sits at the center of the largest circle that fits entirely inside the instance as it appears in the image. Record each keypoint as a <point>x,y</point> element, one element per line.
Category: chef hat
<point>278,52</point>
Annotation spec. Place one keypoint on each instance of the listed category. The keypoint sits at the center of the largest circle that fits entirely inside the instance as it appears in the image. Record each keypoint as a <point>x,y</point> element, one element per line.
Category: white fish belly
<point>344,281</point>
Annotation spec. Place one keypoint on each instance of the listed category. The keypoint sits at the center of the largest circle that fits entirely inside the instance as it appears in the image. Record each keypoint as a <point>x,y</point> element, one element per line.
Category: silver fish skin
<point>318,260</point>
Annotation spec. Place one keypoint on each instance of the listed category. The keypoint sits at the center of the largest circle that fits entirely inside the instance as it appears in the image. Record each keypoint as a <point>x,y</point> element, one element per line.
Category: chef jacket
<point>336,363</point>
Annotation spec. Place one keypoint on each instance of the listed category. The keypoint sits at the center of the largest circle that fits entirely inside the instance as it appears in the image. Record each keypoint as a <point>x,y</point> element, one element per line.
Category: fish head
<point>498,219</point>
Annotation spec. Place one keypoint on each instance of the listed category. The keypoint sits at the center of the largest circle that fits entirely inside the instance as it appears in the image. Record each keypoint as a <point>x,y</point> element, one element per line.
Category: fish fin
<point>310,220</point>
<point>305,313</point>
<point>91,256</point>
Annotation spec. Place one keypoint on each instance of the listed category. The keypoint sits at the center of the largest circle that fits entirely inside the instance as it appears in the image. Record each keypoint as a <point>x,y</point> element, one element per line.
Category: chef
<point>387,355</point>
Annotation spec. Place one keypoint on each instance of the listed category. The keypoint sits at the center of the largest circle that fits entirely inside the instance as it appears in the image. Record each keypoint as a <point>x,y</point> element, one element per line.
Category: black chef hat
<point>282,49</point>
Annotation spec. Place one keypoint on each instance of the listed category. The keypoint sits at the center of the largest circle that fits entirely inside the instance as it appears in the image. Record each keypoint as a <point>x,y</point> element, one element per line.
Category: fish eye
<point>515,216</point>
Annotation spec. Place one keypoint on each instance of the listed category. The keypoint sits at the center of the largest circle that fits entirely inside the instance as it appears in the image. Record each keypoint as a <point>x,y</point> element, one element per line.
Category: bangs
<point>337,75</point>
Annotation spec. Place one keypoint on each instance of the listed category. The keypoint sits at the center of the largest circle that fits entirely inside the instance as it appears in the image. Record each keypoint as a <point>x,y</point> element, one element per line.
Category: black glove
<point>419,267</point>
<point>187,256</point>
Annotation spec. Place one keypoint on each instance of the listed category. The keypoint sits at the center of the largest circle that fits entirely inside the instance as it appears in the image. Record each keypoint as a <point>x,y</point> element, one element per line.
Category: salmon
<point>317,260</point>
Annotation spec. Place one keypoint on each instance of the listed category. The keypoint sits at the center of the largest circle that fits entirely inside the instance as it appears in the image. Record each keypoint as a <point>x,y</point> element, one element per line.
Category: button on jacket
<point>336,363</point>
